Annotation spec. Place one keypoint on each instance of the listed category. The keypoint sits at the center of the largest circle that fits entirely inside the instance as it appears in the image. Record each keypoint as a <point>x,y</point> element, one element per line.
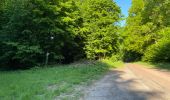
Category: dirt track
<point>134,82</point>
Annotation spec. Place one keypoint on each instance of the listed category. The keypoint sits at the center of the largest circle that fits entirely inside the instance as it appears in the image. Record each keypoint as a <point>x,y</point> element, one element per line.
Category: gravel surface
<point>134,82</point>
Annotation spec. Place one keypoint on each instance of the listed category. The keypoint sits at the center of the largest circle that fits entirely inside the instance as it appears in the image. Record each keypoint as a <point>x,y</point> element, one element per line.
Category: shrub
<point>116,57</point>
<point>16,55</point>
<point>160,51</point>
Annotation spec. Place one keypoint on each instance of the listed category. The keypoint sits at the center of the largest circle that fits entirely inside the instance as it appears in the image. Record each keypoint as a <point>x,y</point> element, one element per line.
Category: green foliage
<point>19,56</point>
<point>133,34</point>
<point>160,51</point>
<point>49,83</point>
<point>157,12</point>
<point>116,57</point>
<point>99,18</point>
<point>142,33</point>
<point>113,64</point>
<point>66,29</point>
<point>38,25</point>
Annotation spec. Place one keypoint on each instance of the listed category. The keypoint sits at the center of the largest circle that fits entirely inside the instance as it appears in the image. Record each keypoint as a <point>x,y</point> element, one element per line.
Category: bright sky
<point>124,5</point>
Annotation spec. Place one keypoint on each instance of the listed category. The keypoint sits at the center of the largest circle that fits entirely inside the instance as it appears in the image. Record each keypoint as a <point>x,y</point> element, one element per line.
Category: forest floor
<point>133,82</point>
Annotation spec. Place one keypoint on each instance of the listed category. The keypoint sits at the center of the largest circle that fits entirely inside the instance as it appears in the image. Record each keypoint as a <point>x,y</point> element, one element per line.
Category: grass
<point>113,64</point>
<point>156,65</point>
<point>50,83</point>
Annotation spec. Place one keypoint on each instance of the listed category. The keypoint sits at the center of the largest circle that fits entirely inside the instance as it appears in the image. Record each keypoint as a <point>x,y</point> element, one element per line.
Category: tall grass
<point>48,83</point>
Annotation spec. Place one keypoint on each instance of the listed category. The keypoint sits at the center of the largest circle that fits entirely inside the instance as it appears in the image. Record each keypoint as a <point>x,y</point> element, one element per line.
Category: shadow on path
<point>121,84</point>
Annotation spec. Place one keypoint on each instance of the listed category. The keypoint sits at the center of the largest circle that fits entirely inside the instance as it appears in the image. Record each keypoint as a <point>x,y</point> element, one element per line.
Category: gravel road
<point>134,82</point>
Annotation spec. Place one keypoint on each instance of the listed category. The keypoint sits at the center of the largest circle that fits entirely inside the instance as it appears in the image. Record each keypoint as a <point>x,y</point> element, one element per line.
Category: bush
<point>116,57</point>
<point>160,51</point>
<point>19,56</point>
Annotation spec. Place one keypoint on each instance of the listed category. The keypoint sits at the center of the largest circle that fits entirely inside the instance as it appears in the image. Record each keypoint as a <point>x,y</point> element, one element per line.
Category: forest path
<point>134,82</point>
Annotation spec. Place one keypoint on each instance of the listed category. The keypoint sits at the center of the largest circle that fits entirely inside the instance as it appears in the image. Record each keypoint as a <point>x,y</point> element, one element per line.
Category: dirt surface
<point>134,82</point>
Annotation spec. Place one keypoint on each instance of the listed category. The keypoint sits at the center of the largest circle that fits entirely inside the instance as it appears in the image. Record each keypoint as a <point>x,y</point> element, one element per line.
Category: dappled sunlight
<point>56,49</point>
<point>136,90</point>
<point>124,84</point>
<point>112,64</point>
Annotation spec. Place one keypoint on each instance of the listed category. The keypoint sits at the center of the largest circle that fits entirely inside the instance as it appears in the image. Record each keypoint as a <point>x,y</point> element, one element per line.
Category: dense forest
<point>147,32</point>
<point>37,32</point>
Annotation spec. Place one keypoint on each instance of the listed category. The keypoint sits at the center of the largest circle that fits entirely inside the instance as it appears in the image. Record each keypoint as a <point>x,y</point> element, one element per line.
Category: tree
<point>30,26</point>
<point>157,12</point>
<point>145,20</point>
<point>66,30</point>
<point>99,27</point>
<point>18,46</point>
<point>133,34</point>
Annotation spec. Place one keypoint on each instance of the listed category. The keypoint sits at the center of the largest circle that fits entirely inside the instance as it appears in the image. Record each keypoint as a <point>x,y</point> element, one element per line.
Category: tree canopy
<point>62,31</point>
<point>67,30</point>
<point>144,24</point>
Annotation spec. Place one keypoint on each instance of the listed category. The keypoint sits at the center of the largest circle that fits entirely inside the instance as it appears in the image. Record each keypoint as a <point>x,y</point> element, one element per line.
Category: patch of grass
<point>48,83</point>
<point>112,64</point>
<point>155,65</point>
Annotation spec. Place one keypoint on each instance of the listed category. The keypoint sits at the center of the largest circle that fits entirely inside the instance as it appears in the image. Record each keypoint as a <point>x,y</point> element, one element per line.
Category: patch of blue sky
<point>124,5</point>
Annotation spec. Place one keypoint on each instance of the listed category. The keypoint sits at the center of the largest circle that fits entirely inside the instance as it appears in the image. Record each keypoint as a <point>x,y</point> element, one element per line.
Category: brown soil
<point>134,82</point>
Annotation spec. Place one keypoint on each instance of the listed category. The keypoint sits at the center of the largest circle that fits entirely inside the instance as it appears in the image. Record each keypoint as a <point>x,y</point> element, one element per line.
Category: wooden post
<point>46,59</point>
